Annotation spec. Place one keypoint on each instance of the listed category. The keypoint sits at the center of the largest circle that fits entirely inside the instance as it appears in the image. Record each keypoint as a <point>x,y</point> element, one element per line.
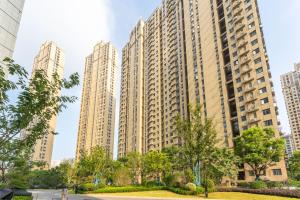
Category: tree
<point>294,165</point>
<point>134,165</point>
<point>200,149</point>
<point>92,165</point>
<point>156,165</point>
<point>27,107</point>
<point>174,154</point>
<point>259,148</point>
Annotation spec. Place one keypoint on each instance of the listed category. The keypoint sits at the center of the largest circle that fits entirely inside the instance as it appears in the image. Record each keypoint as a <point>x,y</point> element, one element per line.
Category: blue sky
<point>77,25</point>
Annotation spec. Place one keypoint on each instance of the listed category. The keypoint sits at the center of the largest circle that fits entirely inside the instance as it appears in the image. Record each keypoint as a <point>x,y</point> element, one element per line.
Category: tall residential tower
<point>290,83</point>
<point>210,52</point>
<point>10,17</point>
<point>97,114</point>
<point>50,59</point>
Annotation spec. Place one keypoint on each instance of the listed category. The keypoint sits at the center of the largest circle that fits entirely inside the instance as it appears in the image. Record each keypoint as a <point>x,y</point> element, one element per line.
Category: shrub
<point>169,180</point>
<point>2,186</point>
<point>273,192</point>
<point>127,189</point>
<point>200,190</point>
<point>121,177</point>
<point>152,183</point>
<point>210,184</point>
<point>87,187</point>
<point>243,184</point>
<point>181,191</point>
<point>22,198</point>
<point>293,183</point>
<point>274,184</point>
<point>258,185</point>
<point>179,180</point>
<point>190,187</point>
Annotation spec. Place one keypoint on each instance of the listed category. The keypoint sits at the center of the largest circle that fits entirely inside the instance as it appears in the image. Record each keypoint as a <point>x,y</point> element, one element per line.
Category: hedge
<point>273,192</point>
<point>128,189</point>
<point>22,198</point>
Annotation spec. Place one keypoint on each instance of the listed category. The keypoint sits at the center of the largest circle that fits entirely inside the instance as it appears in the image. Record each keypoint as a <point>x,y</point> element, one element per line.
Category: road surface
<point>56,195</point>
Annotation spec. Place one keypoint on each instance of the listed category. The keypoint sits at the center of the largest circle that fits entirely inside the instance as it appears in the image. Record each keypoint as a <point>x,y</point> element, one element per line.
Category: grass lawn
<point>245,196</point>
<point>216,195</point>
<point>22,198</point>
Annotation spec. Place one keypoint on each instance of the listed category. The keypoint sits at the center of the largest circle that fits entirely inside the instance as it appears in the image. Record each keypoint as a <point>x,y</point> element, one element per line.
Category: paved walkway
<point>56,195</point>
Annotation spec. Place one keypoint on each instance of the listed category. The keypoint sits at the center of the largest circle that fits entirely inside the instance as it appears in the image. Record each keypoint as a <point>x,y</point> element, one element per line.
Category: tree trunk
<point>206,190</point>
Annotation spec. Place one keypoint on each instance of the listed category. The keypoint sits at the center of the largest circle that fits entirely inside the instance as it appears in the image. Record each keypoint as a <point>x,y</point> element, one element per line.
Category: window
<point>262,90</point>
<point>259,70</point>
<point>256,51</point>
<point>253,33</point>
<point>258,60</point>
<point>238,80</point>
<point>264,101</point>
<point>250,17</point>
<point>277,172</point>
<point>241,98</point>
<point>268,123</point>
<point>254,42</point>
<point>261,80</point>
<point>242,108</point>
<point>244,118</point>
<point>240,89</point>
<point>266,111</point>
<point>251,173</point>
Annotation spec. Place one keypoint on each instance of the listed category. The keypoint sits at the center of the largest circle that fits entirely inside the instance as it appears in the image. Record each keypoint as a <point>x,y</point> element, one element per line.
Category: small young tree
<point>156,165</point>
<point>259,148</point>
<point>294,166</point>
<point>200,150</point>
<point>134,165</point>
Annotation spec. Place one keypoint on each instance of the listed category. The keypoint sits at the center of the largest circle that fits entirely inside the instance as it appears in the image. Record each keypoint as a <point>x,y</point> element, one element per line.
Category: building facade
<point>51,59</point>
<point>289,145</point>
<point>210,52</point>
<point>10,17</point>
<point>97,114</point>
<point>290,84</point>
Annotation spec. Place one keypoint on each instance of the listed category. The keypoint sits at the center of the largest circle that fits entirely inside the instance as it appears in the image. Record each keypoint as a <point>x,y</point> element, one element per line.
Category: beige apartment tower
<point>210,52</point>
<point>290,83</point>
<point>97,114</point>
<point>51,59</point>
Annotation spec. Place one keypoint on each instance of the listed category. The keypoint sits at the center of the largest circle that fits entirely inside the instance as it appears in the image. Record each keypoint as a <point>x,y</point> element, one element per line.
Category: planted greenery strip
<point>127,189</point>
<point>273,192</point>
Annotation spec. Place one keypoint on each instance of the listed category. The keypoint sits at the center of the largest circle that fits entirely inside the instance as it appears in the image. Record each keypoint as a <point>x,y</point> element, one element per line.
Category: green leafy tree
<point>135,167</point>
<point>156,165</point>
<point>200,148</point>
<point>259,148</point>
<point>91,166</point>
<point>294,166</point>
<point>174,155</point>
<point>27,105</point>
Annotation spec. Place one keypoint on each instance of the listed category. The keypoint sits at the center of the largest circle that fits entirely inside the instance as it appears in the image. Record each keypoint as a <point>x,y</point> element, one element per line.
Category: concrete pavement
<point>56,195</point>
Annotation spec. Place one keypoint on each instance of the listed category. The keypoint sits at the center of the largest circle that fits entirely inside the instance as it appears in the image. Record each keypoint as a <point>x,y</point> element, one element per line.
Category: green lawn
<point>216,195</point>
<point>22,198</point>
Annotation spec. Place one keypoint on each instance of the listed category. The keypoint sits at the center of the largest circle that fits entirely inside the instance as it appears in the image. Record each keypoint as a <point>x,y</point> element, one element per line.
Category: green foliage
<point>181,191</point>
<point>293,183</point>
<point>122,177</point>
<point>127,189</point>
<point>294,166</point>
<point>200,139</point>
<point>243,184</point>
<point>258,185</point>
<point>190,187</point>
<point>156,165</point>
<point>26,106</point>
<point>259,148</point>
<point>22,198</point>
<point>274,184</point>
<point>200,190</point>
<point>85,187</point>
<point>133,161</point>
<point>210,184</point>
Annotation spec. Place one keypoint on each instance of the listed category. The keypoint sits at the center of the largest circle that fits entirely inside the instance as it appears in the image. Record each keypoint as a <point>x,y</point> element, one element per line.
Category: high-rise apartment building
<point>51,59</point>
<point>97,114</point>
<point>10,17</point>
<point>289,145</point>
<point>290,83</point>
<point>210,52</point>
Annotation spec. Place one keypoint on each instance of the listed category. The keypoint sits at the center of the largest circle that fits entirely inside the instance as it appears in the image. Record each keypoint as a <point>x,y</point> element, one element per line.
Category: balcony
<point>252,109</point>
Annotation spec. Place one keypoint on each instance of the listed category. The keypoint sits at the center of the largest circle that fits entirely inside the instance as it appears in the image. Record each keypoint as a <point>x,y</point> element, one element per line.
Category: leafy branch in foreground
<point>27,105</point>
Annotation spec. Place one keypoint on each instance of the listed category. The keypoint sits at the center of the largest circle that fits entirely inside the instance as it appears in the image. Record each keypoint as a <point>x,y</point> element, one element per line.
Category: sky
<point>77,25</point>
